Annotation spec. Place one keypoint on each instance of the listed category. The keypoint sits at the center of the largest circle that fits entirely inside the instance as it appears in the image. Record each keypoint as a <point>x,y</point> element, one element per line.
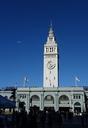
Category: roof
<point>6,103</point>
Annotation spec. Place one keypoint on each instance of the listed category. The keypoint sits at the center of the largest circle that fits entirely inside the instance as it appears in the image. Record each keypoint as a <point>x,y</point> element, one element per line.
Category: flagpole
<point>75,82</point>
<point>24,82</point>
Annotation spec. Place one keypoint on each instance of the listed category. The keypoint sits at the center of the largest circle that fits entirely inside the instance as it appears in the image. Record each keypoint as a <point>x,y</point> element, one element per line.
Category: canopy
<point>6,103</point>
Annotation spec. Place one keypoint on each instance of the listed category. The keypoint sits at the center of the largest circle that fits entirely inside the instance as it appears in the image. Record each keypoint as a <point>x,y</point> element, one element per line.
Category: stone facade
<point>62,98</point>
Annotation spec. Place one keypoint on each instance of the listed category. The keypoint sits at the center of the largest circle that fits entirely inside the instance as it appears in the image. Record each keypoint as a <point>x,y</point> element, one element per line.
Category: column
<point>17,102</point>
<point>28,103</point>
<point>56,102</point>
<point>71,104</point>
<point>42,102</point>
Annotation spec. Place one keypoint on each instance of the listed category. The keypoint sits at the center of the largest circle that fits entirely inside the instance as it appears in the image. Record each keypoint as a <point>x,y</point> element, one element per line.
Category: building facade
<point>50,94</point>
<point>61,98</point>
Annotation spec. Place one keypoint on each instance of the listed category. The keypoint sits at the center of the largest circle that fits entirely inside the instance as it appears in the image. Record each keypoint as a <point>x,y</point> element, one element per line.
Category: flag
<point>26,79</point>
<point>77,79</point>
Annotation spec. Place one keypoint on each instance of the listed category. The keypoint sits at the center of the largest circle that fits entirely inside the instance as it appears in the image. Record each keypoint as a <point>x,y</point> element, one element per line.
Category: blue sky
<point>24,26</point>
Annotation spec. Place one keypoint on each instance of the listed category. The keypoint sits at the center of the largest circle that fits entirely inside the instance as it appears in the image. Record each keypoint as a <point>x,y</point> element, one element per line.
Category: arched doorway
<point>35,101</point>
<point>64,103</point>
<point>49,102</point>
<point>77,107</point>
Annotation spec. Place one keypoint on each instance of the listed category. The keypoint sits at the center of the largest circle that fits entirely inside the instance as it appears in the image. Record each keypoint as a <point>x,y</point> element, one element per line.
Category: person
<point>82,120</point>
<point>59,120</point>
<point>2,121</point>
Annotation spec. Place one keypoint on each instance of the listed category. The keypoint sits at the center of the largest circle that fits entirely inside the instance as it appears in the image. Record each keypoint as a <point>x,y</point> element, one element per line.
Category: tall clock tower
<point>50,61</point>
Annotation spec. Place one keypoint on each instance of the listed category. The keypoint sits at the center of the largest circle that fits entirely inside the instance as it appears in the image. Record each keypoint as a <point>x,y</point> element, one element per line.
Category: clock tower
<point>50,61</point>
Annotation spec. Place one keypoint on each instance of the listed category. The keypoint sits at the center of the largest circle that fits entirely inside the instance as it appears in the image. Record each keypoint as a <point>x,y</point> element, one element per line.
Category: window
<point>79,96</point>
<point>51,49</point>
<point>76,96</point>
<point>47,49</point>
<point>23,96</point>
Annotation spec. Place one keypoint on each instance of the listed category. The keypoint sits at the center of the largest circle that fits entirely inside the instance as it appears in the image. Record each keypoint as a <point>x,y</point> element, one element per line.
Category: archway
<point>35,101</point>
<point>49,102</point>
<point>77,107</point>
<point>64,103</point>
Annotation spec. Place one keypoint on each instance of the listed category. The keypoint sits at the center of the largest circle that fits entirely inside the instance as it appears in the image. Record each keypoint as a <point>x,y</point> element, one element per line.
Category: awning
<point>6,103</point>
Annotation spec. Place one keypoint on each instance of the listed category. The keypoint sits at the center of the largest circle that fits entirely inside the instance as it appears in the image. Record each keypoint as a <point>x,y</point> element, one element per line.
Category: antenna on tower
<point>51,25</point>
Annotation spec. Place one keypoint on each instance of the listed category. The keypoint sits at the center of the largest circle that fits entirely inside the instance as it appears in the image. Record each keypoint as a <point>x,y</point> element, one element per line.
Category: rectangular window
<point>74,96</point>
<point>79,96</point>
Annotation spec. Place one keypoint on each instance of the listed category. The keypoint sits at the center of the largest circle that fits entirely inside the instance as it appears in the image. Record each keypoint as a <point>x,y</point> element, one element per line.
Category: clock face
<point>51,65</point>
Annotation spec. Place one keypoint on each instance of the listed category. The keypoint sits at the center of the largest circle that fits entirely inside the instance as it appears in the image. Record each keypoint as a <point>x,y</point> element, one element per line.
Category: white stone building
<point>6,94</point>
<point>50,94</point>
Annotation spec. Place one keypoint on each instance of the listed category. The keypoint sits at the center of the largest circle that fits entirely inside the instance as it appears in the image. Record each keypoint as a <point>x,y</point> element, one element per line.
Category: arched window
<point>77,104</point>
<point>35,101</point>
<point>35,98</point>
<point>64,99</point>
<point>49,99</point>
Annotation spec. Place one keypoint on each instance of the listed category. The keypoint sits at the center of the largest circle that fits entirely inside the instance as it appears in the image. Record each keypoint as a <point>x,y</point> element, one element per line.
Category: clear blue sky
<point>24,26</point>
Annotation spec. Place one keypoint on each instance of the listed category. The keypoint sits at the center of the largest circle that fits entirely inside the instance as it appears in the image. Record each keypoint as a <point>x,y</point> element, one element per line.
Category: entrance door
<point>77,110</point>
<point>77,107</point>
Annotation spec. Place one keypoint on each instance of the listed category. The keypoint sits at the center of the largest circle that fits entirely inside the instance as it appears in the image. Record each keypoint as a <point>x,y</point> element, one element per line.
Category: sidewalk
<point>74,123</point>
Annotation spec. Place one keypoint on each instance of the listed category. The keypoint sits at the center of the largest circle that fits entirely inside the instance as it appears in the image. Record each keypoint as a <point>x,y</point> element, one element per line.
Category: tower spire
<point>51,26</point>
<point>51,38</point>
